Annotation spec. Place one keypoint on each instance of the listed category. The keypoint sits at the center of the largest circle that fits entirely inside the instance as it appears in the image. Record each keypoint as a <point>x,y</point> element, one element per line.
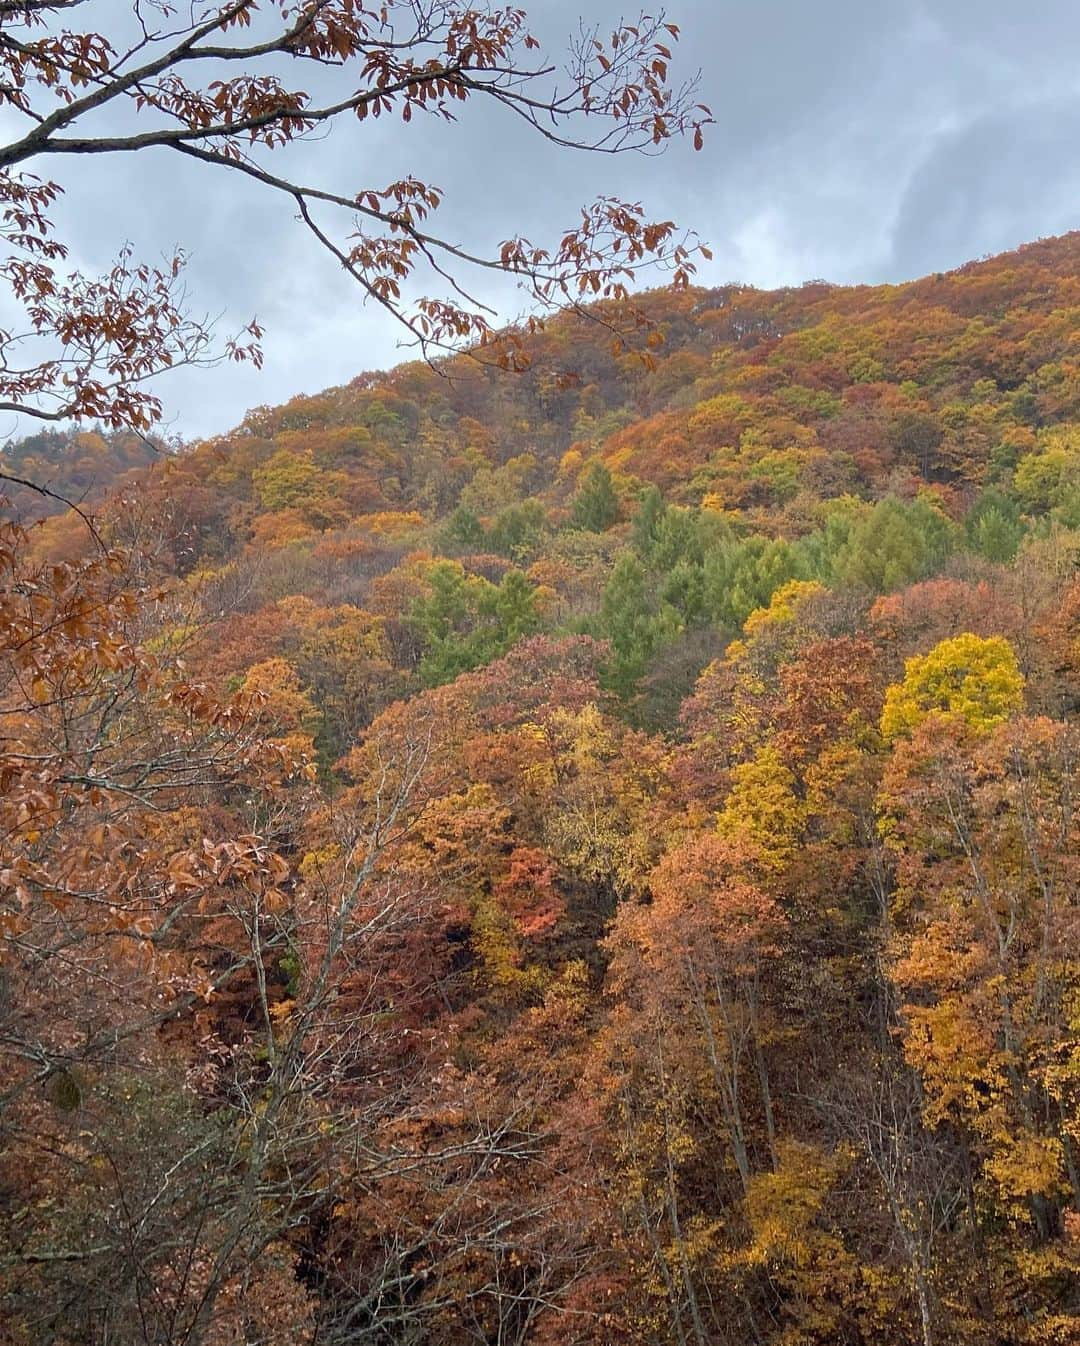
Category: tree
<point>977,680</point>
<point>916,437</point>
<point>515,609</point>
<point>1047,478</point>
<point>993,526</point>
<point>634,623</point>
<point>742,576</point>
<point>516,531</point>
<point>464,621</point>
<point>344,658</point>
<point>212,976</point>
<point>983,835</point>
<point>133,869</point>
<point>895,543</point>
<point>762,813</point>
<point>286,479</point>
<point>596,506</point>
<point>691,1103</point>
<point>650,514</point>
<point>213,87</point>
<point>996,536</point>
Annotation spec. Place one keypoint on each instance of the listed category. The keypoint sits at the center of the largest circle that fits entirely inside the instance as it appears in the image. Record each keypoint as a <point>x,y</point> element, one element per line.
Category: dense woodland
<point>583,855</point>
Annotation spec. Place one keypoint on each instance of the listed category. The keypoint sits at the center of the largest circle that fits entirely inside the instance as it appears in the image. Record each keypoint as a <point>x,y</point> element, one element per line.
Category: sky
<point>854,142</point>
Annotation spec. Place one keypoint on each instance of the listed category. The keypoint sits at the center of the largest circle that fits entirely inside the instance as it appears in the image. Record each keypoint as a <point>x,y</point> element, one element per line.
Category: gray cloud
<point>854,142</point>
<point>990,184</point>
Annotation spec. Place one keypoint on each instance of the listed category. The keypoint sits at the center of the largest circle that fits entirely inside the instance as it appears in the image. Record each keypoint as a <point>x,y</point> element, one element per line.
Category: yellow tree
<point>984,835</point>
<point>975,678</point>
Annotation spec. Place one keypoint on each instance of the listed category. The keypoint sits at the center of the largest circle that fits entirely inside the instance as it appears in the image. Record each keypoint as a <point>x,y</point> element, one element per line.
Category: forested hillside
<point>585,855</point>
<point>46,473</point>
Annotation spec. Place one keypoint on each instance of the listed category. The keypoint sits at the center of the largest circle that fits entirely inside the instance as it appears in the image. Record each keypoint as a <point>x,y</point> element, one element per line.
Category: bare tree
<point>918,1172</point>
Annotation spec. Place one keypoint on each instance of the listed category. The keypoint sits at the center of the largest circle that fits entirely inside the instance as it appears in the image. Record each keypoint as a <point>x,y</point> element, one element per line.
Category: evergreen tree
<point>515,609</point>
<point>465,621</point>
<point>993,527</point>
<point>463,531</point>
<point>650,514</point>
<point>742,576</point>
<point>634,624</point>
<point>517,531</point>
<point>596,506</point>
<point>895,544</point>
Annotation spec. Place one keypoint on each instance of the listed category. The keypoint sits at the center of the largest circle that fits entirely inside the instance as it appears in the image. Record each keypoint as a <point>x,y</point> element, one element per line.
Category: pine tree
<point>596,506</point>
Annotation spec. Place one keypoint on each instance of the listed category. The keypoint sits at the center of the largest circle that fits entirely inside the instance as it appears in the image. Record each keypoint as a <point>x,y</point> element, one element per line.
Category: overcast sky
<point>855,141</point>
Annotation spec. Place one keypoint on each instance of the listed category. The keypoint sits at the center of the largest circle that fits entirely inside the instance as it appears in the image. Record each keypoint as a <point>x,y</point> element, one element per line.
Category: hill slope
<point>780,418</point>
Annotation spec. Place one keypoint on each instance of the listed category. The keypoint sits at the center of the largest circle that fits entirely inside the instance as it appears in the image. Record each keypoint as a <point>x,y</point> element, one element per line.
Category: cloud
<point>853,142</point>
<point>1002,180</point>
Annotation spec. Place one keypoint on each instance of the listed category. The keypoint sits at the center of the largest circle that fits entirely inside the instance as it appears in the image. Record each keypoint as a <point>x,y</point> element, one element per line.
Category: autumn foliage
<point>543,860</point>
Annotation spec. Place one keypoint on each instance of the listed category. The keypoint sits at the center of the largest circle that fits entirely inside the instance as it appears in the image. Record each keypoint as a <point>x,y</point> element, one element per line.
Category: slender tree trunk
<point>766,1096</point>
<point>677,1234</point>
<point>673,1216</point>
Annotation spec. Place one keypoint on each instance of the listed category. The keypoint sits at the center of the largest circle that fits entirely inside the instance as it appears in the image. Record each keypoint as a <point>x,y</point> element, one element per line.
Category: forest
<point>581,855</point>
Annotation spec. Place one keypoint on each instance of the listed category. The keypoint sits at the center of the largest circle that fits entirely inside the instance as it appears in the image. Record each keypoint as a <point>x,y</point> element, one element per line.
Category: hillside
<point>80,467</point>
<point>596,849</point>
<point>779,419</point>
